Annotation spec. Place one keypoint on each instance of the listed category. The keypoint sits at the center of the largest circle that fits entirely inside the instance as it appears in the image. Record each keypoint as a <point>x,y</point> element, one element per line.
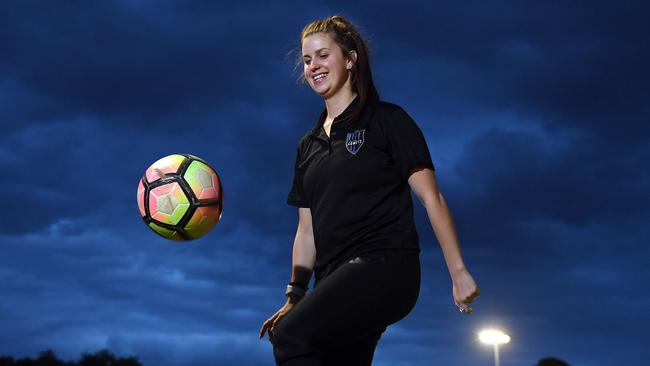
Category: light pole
<point>494,337</point>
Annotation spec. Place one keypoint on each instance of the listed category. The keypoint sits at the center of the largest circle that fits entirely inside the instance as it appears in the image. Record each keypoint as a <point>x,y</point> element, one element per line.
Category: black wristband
<point>295,292</point>
<point>298,284</point>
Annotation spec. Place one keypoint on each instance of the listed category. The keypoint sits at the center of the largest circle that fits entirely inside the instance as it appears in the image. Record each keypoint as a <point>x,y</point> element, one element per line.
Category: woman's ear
<point>352,60</point>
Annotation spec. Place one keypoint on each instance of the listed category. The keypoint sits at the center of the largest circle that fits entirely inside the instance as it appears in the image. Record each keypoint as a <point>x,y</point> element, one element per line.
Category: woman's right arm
<point>304,249</point>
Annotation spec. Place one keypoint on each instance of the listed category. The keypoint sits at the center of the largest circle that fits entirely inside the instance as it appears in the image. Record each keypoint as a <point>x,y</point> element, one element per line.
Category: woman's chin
<point>323,92</point>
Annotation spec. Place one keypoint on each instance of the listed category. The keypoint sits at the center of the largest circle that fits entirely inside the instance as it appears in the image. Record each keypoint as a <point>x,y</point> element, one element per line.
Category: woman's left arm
<point>423,183</point>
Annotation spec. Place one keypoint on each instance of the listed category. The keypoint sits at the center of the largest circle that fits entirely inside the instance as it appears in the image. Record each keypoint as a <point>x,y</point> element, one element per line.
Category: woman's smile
<point>318,78</point>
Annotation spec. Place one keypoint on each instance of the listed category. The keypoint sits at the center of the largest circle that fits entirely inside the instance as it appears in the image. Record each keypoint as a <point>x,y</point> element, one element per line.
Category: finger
<point>265,326</point>
<point>473,296</point>
<point>276,321</point>
<point>468,298</point>
<point>275,324</point>
<point>463,308</point>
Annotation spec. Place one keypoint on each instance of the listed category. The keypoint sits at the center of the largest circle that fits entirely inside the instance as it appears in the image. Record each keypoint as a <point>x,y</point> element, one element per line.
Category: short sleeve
<point>407,145</point>
<point>297,194</point>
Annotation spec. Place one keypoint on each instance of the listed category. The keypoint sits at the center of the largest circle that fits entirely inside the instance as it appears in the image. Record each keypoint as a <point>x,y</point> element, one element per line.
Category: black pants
<point>340,321</point>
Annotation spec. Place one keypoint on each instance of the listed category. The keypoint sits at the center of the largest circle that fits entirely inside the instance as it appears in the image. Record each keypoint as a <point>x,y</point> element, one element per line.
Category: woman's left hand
<point>464,290</point>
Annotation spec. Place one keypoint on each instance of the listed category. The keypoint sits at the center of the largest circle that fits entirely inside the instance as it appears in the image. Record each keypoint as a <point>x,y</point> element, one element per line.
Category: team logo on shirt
<point>354,140</point>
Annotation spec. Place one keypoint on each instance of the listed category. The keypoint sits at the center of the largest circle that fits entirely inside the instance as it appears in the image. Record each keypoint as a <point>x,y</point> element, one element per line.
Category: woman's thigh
<point>356,301</point>
<point>360,353</point>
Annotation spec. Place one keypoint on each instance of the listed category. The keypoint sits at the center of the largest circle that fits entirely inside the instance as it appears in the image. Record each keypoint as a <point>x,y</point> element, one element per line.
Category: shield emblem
<point>354,141</point>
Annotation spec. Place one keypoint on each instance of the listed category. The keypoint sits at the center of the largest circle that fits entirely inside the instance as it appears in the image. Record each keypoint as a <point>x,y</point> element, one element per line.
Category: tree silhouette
<point>551,361</point>
<point>6,361</point>
<point>106,358</point>
<point>48,358</point>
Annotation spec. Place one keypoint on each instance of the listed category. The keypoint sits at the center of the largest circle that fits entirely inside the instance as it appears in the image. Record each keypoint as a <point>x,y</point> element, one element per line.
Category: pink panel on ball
<point>168,164</point>
<point>141,198</point>
<point>216,185</point>
<point>210,192</point>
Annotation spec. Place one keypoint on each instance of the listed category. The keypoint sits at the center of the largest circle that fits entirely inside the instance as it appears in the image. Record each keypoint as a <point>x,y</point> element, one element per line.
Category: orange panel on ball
<point>204,218</point>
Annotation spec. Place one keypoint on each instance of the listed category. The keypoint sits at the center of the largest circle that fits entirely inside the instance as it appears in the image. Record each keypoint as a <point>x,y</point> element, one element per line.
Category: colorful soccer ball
<point>180,197</point>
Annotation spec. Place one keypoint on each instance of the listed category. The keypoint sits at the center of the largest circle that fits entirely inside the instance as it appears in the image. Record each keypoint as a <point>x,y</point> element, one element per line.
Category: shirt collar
<point>348,110</point>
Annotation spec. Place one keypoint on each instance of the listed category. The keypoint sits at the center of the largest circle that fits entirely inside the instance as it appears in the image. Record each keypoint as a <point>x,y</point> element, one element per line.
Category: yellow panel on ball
<point>165,233</point>
<point>203,180</point>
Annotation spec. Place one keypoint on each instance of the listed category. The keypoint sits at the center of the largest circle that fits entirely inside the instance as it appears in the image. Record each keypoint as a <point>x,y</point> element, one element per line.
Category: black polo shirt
<point>355,183</point>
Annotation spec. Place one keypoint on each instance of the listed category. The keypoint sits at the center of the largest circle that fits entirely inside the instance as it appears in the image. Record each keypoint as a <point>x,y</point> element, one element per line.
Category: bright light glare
<point>493,336</point>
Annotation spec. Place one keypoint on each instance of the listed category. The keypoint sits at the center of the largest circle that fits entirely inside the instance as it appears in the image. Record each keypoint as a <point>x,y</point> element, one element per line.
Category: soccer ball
<point>180,197</point>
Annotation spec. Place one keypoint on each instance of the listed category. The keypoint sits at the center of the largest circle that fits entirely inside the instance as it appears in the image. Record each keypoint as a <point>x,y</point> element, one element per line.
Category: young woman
<point>353,176</point>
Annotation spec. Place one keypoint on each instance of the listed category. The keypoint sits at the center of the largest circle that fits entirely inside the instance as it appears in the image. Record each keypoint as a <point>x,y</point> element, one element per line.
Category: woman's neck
<point>336,104</point>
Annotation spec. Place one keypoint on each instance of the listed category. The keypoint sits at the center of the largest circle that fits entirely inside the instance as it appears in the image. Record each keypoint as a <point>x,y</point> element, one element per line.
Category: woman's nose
<point>314,65</point>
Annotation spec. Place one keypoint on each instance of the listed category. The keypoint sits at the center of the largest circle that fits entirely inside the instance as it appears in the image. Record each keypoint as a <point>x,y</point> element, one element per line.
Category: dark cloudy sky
<point>536,115</point>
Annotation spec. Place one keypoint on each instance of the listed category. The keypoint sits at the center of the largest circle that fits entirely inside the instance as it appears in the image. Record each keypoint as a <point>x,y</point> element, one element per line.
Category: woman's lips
<point>320,79</point>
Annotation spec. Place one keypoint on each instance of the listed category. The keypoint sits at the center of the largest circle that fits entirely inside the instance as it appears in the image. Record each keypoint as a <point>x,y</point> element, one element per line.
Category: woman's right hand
<point>271,322</point>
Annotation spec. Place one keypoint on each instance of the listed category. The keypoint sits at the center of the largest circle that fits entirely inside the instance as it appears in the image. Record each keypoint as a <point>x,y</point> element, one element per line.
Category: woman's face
<point>325,68</point>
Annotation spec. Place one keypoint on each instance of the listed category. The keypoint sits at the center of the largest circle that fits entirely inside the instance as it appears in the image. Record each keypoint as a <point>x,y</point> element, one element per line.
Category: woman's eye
<point>323,56</point>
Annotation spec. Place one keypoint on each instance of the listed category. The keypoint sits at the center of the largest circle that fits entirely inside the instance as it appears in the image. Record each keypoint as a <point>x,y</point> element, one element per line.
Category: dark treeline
<point>48,358</point>
<point>551,361</point>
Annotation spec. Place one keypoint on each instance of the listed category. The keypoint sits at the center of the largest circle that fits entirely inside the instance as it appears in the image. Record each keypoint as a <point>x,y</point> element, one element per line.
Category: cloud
<point>535,116</point>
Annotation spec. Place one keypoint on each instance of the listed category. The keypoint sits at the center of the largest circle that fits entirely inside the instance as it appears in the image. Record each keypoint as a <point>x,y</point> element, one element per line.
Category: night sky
<point>536,115</point>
